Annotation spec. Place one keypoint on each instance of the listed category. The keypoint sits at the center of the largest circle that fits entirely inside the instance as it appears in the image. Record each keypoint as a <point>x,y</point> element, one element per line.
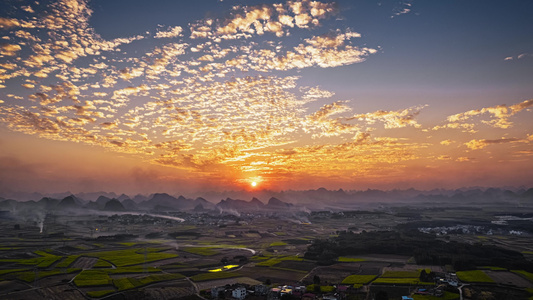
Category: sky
<point>187,96</point>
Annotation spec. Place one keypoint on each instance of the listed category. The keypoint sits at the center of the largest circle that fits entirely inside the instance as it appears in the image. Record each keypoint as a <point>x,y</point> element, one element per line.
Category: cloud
<point>480,144</point>
<point>205,103</point>
<point>28,85</point>
<point>393,119</point>
<point>246,21</point>
<point>327,51</point>
<point>519,56</point>
<point>404,8</point>
<point>171,32</point>
<point>6,23</point>
<point>316,93</point>
<point>465,159</point>
<point>9,49</point>
<point>500,114</point>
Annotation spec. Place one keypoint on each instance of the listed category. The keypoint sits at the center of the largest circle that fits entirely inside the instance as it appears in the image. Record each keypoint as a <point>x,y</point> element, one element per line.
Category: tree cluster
<point>425,248</point>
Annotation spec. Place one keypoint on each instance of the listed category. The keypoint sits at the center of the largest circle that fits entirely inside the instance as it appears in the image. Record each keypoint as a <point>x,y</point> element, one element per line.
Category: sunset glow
<point>304,94</point>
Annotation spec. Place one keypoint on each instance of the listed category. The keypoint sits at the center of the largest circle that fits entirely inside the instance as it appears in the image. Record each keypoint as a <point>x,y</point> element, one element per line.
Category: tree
<point>382,295</point>
<point>316,279</point>
<point>423,275</point>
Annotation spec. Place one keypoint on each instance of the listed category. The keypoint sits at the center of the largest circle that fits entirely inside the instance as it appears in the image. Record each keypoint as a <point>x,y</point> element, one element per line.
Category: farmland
<point>474,276</point>
<point>171,259</point>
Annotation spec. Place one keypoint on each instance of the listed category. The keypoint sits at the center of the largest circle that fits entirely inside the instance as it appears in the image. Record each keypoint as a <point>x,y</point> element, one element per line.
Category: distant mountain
<point>257,203</point>
<point>204,203</point>
<point>101,202</point>
<point>68,203</point>
<point>319,199</point>
<point>276,203</point>
<point>47,203</point>
<point>528,194</point>
<point>122,197</point>
<point>94,195</point>
<point>165,202</point>
<point>114,205</point>
<point>8,204</point>
<point>253,205</point>
<point>139,198</point>
<point>129,204</point>
<point>240,205</point>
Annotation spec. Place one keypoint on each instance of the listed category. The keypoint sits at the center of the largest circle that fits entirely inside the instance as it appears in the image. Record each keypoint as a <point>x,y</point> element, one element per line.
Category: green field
<point>350,259</point>
<point>402,277</point>
<point>132,256</point>
<point>323,288</point>
<point>98,294</point>
<point>213,276</point>
<point>358,279</point>
<point>474,276</point>
<point>29,276</point>
<point>276,260</point>
<point>132,269</point>
<point>44,260</point>
<point>130,283</point>
<point>268,263</point>
<point>102,264</point>
<point>411,281</point>
<point>493,268</point>
<point>401,274</point>
<point>525,274</point>
<point>3,272</point>
<point>92,278</point>
<point>67,261</point>
<point>276,244</point>
<point>204,251</point>
<point>100,277</point>
<point>446,296</point>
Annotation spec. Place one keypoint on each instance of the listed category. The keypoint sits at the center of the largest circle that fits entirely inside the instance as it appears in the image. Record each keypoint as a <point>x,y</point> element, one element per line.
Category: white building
<point>239,293</point>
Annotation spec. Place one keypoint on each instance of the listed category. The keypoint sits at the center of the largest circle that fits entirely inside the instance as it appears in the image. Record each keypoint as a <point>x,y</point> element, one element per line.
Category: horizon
<point>245,195</point>
<point>255,96</point>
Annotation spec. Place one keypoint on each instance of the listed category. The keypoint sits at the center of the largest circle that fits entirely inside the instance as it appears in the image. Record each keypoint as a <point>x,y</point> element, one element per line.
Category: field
<point>358,279</point>
<point>204,251</point>
<point>350,259</point>
<point>510,278</point>
<point>186,258</point>
<point>214,276</point>
<point>135,256</point>
<point>446,296</point>
<point>474,276</point>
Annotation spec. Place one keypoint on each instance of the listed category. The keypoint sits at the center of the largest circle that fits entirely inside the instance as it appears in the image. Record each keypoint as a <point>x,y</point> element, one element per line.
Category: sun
<point>254,183</point>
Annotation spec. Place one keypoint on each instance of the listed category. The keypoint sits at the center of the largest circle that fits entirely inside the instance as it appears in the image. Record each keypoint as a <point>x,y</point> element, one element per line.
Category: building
<point>261,289</point>
<point>239,293</point>
<point>215,292</point>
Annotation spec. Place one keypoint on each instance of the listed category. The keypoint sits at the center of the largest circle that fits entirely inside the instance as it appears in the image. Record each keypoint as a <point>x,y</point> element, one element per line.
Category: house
<point>215,292</point>
<point>286,290</point>
<point>261,289</point>
<point>239,293</point>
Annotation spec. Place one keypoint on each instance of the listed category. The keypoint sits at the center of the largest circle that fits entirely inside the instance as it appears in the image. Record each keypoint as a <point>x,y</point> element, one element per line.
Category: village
<point>442,282</point>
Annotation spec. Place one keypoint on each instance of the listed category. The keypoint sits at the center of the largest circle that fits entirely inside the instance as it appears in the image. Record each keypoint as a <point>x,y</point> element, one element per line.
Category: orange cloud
<point>500,114</point>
